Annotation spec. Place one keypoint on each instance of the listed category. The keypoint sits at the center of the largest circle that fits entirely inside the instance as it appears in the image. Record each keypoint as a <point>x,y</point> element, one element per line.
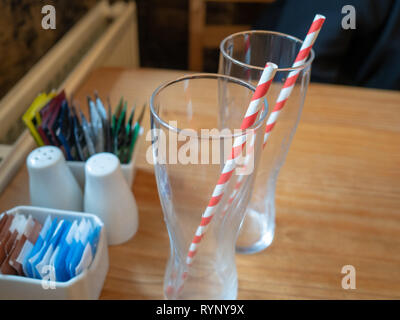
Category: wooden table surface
<point>338,200</point>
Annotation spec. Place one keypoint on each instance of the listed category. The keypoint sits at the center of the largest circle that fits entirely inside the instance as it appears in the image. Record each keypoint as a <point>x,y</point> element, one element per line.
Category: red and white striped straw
<point>249,151</point>
<point>285,91</point>
<point>230,165</point>
<point>292,77</point>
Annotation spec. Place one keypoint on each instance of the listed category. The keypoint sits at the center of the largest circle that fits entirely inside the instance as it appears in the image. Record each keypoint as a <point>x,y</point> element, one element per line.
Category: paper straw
<point>285,91</point>
<point>230,165</point>
<point>292,77</point>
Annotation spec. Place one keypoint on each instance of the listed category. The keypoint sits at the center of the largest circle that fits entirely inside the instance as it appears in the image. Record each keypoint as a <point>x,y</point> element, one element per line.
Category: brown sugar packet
<point>3,220</point>
<point>12,258</point>
<point>3,253</point>
<point>21,238</point>
<point>5,268</point>
<point>4,236</point>
<point>11,242</point>
<point>20,241</point>
<point>6,225</point>
<point>9,239</point>
<point>28,239</point>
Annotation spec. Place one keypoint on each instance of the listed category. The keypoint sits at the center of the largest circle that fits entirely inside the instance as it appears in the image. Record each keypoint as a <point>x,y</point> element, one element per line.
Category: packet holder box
<point>86,285</point>
<point>128,169</point>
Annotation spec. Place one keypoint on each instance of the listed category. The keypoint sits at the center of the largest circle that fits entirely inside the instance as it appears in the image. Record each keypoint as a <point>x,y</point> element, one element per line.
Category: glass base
<point>260,245</point>
<point>257,232</point>
<point>216,281</point>
<point>229,296</point>
<point>228,292</point>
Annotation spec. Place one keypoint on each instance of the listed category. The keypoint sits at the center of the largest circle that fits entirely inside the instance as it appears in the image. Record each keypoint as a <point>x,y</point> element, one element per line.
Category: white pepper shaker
<point>51,182</point>
<point>108,195</point>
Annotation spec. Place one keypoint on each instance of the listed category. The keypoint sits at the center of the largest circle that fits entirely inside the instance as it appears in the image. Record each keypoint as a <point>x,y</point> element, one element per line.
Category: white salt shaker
<point>108,195</point>
<point>51,183</point>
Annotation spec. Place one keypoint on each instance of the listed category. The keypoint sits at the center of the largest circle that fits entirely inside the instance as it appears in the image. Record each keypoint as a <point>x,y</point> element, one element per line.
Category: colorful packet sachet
<point>30,249</point>
<point>53,121</point>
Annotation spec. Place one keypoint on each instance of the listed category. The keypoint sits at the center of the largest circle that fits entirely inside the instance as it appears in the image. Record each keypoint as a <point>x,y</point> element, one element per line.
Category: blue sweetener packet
<point>73,247</point>
<point>45,266</point>
<point>89,251</point>
<point>58,260</point>
<point>94,241</point>
<point>84,230</point>
<point>26,265</point>
<point>34,260</point>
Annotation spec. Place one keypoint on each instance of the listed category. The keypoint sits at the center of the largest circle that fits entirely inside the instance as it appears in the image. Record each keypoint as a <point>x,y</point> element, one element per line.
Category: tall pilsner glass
<point>188,116</point>
<point>243,55</point>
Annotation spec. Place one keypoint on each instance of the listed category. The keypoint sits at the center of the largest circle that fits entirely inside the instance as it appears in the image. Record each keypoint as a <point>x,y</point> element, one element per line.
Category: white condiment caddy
<point>87,285</point>
<point>128,169</point>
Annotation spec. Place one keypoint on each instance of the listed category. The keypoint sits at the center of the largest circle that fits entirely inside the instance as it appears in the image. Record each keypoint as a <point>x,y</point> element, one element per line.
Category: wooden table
<point>338,201</point>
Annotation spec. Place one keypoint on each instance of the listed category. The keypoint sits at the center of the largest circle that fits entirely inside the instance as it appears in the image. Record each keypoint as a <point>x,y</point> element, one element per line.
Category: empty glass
<point>189,150</point>
<point>243,55</point>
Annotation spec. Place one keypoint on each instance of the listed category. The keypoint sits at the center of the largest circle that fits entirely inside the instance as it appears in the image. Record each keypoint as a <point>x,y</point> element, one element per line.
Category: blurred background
<point>184,35</point>
<point>163,27</point>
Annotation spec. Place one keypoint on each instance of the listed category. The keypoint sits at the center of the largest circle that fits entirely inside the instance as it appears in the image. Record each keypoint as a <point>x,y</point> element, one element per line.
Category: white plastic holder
<point>87,285</point>
<point>128,170</point>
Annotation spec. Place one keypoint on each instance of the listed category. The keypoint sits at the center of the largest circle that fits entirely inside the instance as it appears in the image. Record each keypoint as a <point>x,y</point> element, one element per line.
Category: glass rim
<point>215,76</point>
<point>308,62</point>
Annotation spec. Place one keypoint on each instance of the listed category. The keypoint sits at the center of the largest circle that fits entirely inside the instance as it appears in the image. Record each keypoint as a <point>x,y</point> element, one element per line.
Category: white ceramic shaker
<point>108,195</point>
<point>51,183</point>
